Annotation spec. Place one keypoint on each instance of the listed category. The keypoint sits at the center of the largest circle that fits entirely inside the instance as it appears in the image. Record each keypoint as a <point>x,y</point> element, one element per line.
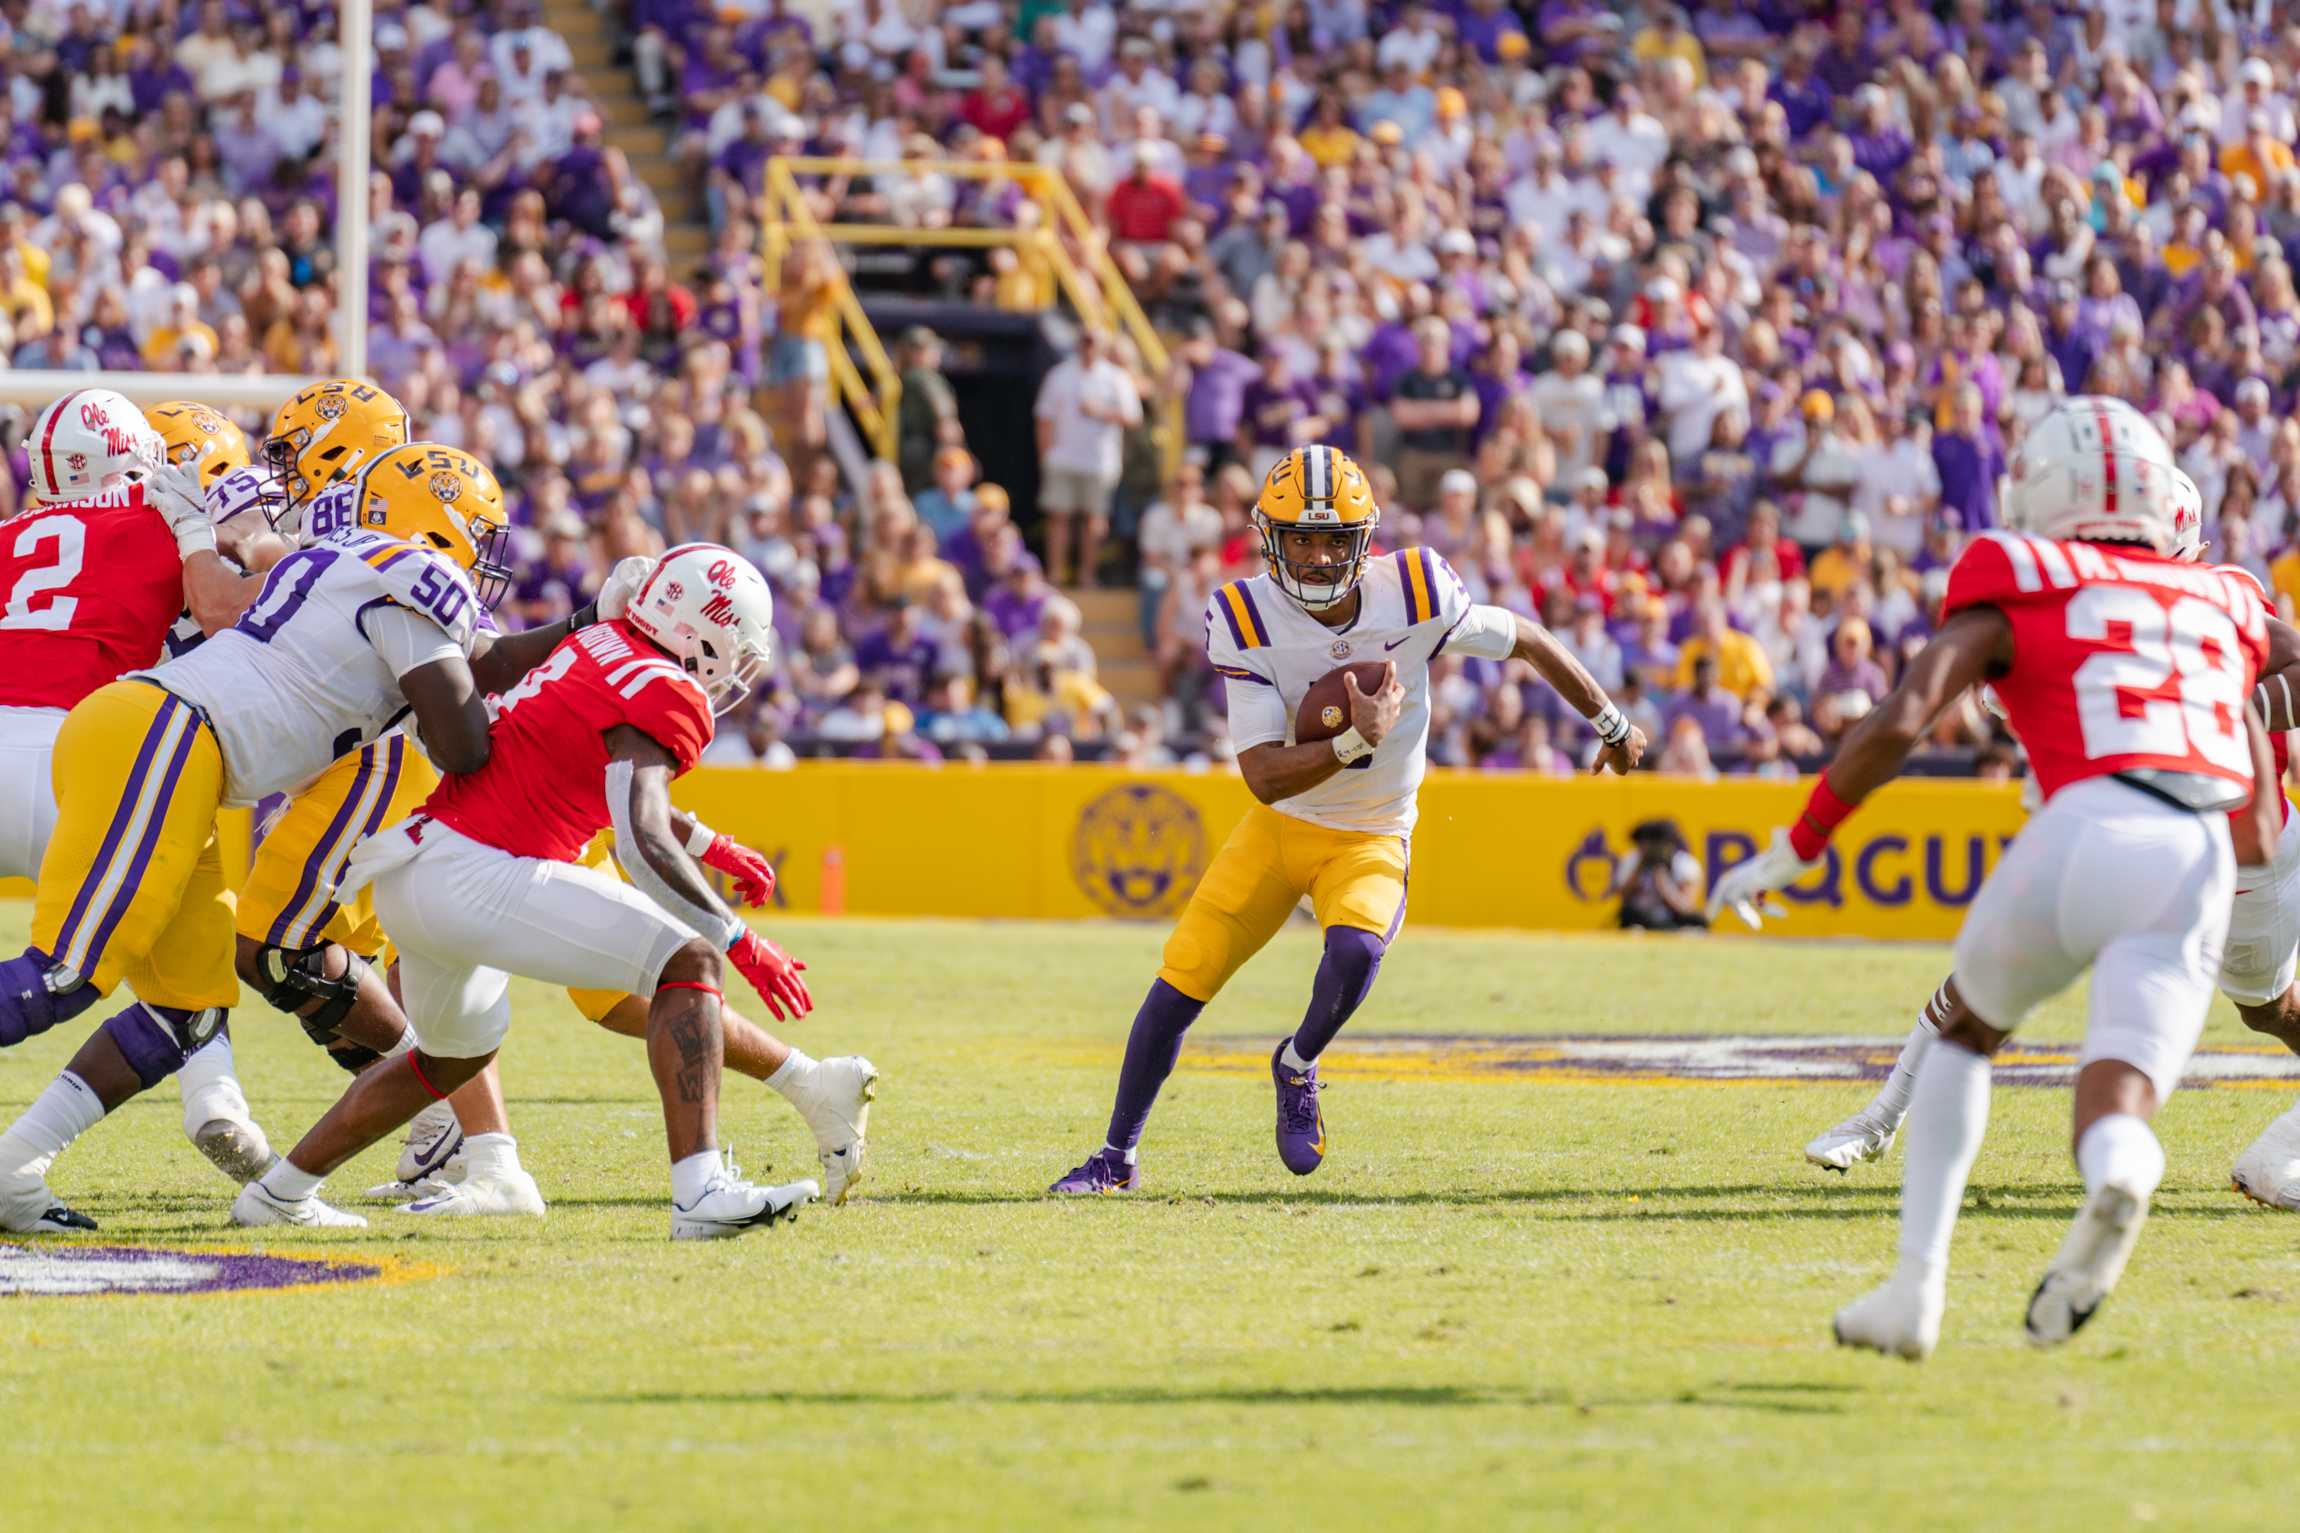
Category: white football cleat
<point>28,1207</point>
<point>730,1205</point>
<point>500,1193</point>
<point>433,1136</point>
<point>2268,1172</point>
<point>1866,1135</point>
<point>836,1105</point>
<point>2087,1265</point>
<point>255,1207</point>
<point>1901,1317</point>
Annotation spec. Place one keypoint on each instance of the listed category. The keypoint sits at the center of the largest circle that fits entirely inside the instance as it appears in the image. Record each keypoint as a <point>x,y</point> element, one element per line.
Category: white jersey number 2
<point>2179,690</point>
<point>70,538</point>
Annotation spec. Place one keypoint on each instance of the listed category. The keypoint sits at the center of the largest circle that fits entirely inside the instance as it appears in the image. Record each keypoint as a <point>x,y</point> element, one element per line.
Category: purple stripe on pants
<point>120,818</point>
<point>126,895</point>
<point>1405,884</point>
<point>323,852</point>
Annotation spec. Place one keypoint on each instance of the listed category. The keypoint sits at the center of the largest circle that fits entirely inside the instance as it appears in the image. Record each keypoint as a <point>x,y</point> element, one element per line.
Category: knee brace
<point>293,978</point>
<point>156,1040</point>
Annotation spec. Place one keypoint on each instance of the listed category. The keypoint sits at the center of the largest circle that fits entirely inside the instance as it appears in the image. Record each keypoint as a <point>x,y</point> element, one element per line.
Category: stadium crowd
<point>1703,336</point>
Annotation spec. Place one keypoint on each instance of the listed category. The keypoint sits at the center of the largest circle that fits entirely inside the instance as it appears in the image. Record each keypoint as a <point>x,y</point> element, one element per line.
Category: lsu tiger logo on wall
<point>1138,851</point>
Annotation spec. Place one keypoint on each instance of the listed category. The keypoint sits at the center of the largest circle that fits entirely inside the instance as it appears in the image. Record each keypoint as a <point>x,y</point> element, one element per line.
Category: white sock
<point>793,1075</point>
<point>1947,1117</point>
<point>1124,1155</point>
<point>1292,1060</point>
<point>289,1182</point>
<point>486,1153</point>
<point>1892,1099</point>
<point>61,1114</point>
<point>209,1086</point>
<point>691,1178</point>
<point>2122,1149</point>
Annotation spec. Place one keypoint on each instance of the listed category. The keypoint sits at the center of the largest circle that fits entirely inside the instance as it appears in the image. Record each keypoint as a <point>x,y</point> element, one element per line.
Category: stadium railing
<point>1064,247</point>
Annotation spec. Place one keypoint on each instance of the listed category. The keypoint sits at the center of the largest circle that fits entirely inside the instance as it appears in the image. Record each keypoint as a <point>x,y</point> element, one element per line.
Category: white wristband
<point>1611,724</point>
<point>700,838</point>
<point>1351,746</point>
<point>195,538</point>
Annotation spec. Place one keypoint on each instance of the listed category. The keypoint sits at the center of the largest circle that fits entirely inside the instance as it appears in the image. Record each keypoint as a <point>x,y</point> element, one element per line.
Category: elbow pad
<point>719,928</point>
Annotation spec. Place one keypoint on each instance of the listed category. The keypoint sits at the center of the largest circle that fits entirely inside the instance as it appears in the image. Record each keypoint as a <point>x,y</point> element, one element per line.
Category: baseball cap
<point>1451,102</point>
<point>1593,478</point>
<point>1629,336</point>
<point>1078,112</point>
<point>1816,405</point>
<point>1456,242</point>
<point>2064,290</point>
<point>427,124</point>
<point>1663,290</point>
<point>2256,71</point>
<point>2253,388</point>
<point>993,497</point>
<point>1458,481</point>
<point>1386,133</point>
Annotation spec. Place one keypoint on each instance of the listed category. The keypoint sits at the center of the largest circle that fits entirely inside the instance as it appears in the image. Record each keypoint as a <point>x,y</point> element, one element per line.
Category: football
<point>1325,710</point>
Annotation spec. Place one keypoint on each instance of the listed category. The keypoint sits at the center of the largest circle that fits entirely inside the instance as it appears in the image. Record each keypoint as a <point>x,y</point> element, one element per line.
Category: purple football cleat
<point>1106,1172</point>
<point>1301,1125</point>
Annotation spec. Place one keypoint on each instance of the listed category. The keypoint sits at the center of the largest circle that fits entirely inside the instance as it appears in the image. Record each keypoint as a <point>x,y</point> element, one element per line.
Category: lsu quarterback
<point>1335,817</point>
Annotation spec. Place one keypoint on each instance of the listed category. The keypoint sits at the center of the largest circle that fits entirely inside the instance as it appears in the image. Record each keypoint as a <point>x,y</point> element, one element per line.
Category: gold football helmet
<point>327,431</point>
<point>199,439</point>
<point>1316,491</point>
<point>445,500</point>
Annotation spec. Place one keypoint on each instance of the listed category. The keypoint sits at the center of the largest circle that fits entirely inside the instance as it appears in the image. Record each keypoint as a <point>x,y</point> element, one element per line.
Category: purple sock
<point>1345,974</point>
<point>1151,1049</point>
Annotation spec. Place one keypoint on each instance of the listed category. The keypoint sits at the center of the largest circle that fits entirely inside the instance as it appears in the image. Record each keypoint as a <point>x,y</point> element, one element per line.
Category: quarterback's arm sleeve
<point>1257,712</point>
<point>692,906</point>
<point>405,640</point>
<point>1488,632</point>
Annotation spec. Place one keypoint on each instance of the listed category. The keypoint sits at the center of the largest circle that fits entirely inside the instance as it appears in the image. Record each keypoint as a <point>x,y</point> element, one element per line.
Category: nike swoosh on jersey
<point>1394,643</point>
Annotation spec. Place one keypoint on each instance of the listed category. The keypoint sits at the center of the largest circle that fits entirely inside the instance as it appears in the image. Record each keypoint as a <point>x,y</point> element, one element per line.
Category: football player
<point>2257,967</point>
<point>1335,818</point>
<point>313,956</point>
<point>485,882</point>
<point>92,585</point>
<point>369,623</point>
<point>2127,674</point>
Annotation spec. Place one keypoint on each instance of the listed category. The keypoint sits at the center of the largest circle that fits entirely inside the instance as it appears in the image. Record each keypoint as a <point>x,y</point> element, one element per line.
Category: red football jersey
<point>543,792</point>
<point>2121,659</point>
<point>88,591</point>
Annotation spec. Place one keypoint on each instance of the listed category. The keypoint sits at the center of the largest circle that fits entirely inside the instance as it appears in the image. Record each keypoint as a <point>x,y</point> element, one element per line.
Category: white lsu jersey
<point>1269,652</point>
<point>311,671</point>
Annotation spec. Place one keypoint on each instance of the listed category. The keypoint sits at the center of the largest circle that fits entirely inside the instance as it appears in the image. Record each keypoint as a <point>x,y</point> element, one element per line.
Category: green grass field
<point>1502,1303</point>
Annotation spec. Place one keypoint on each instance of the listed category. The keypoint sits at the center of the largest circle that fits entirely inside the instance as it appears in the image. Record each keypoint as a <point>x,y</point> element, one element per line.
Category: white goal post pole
<point>355,40</point>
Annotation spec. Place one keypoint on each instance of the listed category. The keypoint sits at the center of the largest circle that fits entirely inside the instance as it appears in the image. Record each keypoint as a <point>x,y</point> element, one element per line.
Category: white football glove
<point>623,582</point>
<point>1742,888</point>
<point>174,491</point>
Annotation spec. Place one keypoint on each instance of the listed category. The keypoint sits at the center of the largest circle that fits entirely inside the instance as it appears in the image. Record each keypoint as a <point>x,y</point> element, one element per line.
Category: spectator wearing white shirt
<point>456,239</point>
<point>1571,400</point>
<point>1416,42</point>
<point>1546,197</point>
<point>298,117</point>
<point>2020,180</point>
<point>1137,84</point>
<point>1172,530</point>
<point>1698,384</point>
<point>1899,489</point>
<point>2256,92</point>
<point>1630,139</point>
<point>1084,408</point>
<point>1088,29</point>
<point>1820,473</point>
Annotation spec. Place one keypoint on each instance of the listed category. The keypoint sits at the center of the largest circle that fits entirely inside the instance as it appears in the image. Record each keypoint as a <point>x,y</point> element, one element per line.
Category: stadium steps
<point>1109,622</point>
<point>645,143</point>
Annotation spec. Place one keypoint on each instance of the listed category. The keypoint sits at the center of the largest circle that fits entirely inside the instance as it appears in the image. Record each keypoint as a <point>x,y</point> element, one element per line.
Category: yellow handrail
<point>1066,240</point>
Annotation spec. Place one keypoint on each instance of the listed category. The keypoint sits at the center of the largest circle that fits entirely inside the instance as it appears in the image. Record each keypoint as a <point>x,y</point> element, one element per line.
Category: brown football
<point>1325,710</point>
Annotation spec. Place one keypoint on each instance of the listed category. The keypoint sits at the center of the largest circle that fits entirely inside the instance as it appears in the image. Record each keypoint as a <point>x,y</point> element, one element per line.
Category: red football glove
<point>753,875</point>
<point>774,974</point>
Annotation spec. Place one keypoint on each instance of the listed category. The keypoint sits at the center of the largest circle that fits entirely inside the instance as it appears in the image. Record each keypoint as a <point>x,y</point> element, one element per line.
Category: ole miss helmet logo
<point>722,574</point>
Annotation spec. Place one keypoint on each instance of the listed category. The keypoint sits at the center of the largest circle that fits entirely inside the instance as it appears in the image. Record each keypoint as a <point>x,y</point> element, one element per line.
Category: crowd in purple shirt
<point>1755,298</point>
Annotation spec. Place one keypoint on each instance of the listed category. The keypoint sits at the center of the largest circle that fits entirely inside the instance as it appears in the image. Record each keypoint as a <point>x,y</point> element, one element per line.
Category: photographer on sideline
<point>1659,881</point>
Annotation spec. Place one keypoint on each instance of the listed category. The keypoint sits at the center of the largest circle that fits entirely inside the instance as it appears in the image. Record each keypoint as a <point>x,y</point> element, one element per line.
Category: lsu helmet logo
<point>1138,851</point>
<point>445,487</point>
<point>329,406</point>
<point>1330,716</point>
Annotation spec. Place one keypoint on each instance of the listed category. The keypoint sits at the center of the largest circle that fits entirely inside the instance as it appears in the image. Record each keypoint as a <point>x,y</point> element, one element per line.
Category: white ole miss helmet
<point>2095,468</point>
<point>2186,503</point>
<point>90,440</point>
<point>709,608</point>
